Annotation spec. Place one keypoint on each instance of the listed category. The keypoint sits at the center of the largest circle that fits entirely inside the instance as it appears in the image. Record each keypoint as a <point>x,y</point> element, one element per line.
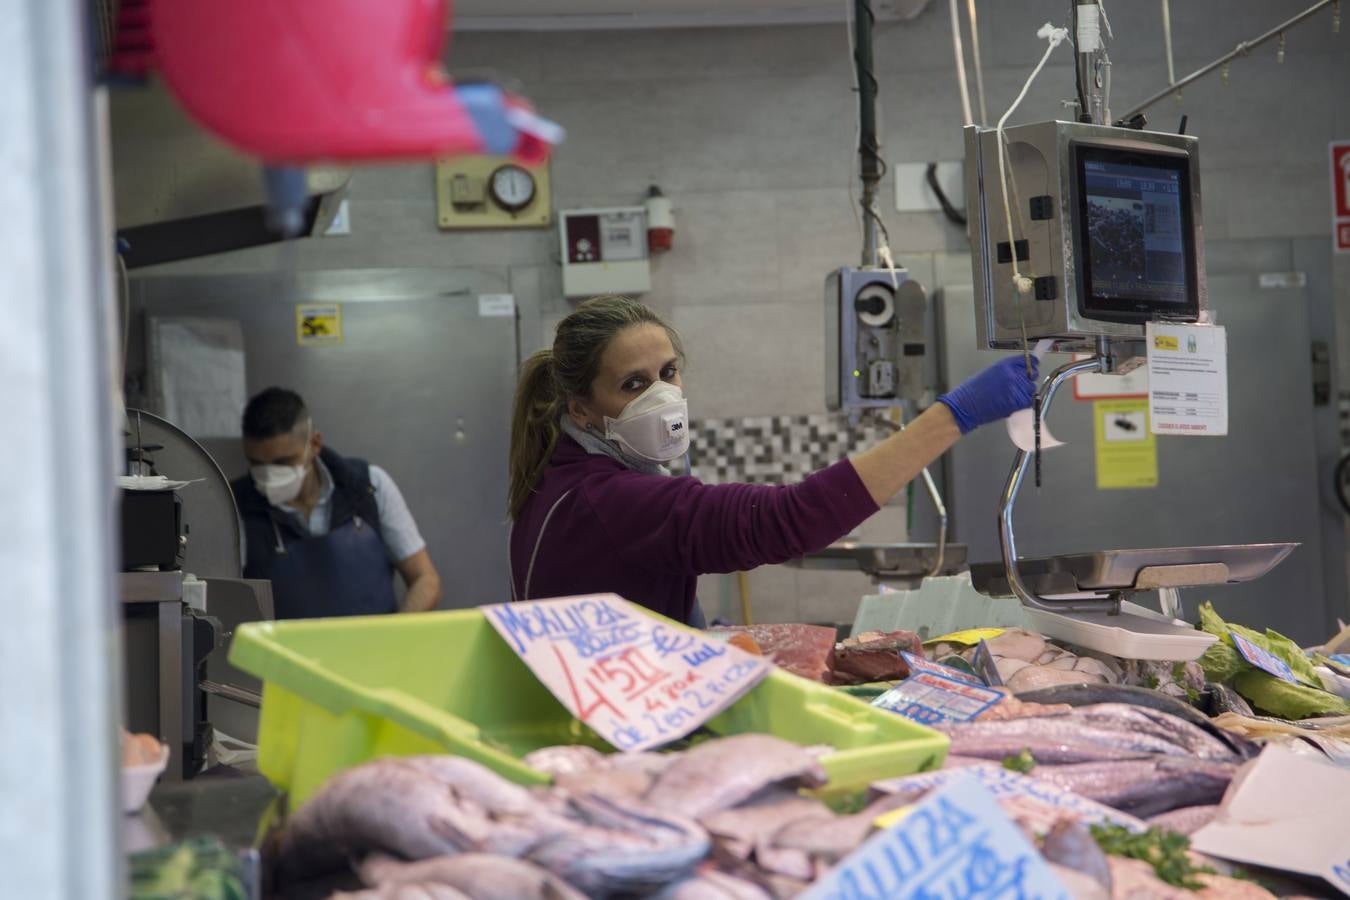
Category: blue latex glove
<point>996,393</point>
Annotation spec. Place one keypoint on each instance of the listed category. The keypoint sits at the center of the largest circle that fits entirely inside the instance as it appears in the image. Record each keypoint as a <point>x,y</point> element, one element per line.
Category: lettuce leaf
<point>1287,701</point>
<point>1272,641</point>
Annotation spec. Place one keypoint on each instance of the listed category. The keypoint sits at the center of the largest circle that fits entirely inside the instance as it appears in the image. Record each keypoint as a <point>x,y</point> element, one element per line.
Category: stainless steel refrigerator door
<point>420,385</point>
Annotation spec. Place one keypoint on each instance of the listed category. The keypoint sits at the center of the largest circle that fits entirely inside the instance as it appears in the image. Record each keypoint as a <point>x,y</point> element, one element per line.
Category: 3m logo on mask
<point>655,425</point>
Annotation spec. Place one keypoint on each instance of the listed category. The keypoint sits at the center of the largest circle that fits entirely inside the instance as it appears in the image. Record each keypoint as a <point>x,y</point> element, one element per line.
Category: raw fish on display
<point>803,650</point>
<point>723,773</point>
<point>476,875</point>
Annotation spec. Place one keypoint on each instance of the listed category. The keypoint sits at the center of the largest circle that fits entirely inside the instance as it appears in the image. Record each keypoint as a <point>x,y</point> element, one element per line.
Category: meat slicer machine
<point>1106,236</point>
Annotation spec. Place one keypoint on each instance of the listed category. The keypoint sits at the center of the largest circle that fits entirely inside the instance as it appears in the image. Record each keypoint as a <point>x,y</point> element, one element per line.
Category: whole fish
<point>1187,737</point>
<point>722,773</point>
<point>617,847</point>
<point>1070,844</point>
<point>786,863</point>
<point>1187,820</point>
<point>429,891</point>
<point>620,775</point>
<point>713,885</point>
<point>476,875</point>
<point>475,783</point>
<point>1144,787</point>
<point>1268,726</point>
<point>759,818</point>
<point>1054,739</point>
<point>831,838</point>
<point>1134,879</point>
<point>1079,695</point>
<point>1079,886</point>
<point>413,807</point>
<point>1217,699</point>
<point>564,759</point>
<point>384,805</point>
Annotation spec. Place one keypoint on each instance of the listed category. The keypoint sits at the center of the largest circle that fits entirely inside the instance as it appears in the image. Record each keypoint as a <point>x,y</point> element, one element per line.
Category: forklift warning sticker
<point>318,323</point>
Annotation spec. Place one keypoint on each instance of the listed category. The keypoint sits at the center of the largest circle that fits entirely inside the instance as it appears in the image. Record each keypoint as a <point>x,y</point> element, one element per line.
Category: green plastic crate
<point>339,692</point>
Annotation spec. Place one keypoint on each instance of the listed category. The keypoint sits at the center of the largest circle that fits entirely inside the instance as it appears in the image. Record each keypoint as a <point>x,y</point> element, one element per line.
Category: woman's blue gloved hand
<point>996,393</point>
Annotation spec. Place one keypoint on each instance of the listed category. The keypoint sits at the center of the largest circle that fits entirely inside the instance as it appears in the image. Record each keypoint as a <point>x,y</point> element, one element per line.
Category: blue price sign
<point>1264,659</point>
<point>956,843</point>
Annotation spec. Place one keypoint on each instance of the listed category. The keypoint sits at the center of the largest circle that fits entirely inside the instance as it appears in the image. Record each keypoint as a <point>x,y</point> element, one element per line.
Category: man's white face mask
<point>282,484</point>
<point>654,425</point>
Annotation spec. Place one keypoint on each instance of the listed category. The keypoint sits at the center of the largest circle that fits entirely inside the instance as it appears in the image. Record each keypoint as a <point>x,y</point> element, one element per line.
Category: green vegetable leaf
<point>1165,851</point>
<point>1222,662</point>
<point>1022,762</point>
<point>1272,641</point>
<point>1287,701</point>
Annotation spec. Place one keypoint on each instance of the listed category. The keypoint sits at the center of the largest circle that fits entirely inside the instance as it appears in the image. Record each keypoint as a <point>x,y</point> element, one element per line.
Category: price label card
<point>928,697</point>
<point>918,663</point>
<point>1038,804</point>
<point>638,680</point>
<point>956,842</point>
<point>1264,659</point>
<point>1187,378</point>
<point>985,665</point>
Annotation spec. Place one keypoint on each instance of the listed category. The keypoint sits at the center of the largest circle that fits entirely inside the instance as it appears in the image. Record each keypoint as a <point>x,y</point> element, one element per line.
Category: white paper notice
<point>496,305</point>
<point>1022,424</point>
<point>639,681</point>
<point>198,368</point>
<point>1187,379</point>
<point>1277,813</point>
<point>955,843</point>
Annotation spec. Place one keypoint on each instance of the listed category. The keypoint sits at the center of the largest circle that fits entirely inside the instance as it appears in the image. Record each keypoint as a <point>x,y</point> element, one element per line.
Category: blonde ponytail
<point>534,428</point>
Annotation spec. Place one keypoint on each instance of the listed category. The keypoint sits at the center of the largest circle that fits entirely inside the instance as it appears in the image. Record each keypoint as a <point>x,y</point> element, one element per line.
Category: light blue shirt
<point>397,528</point>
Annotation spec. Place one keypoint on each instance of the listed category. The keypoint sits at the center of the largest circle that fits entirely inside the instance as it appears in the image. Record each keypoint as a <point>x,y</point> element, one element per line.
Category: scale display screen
<point>1135,233</point>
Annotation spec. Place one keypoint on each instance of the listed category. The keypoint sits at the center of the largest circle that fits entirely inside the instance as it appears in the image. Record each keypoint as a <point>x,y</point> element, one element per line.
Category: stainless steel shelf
<point>885,561</point>
<point>1133,570</point>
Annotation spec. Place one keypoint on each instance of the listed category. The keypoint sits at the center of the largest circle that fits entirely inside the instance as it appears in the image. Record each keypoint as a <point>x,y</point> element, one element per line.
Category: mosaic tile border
<point>774,449</point>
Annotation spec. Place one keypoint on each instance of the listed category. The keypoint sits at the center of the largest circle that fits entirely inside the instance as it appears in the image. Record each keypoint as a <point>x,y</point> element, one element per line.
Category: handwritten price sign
<point>956,843</point>
<point>639,681</point>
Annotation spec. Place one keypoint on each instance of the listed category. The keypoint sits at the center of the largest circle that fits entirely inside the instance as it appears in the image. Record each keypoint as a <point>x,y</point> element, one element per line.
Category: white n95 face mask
<point>279,484</point>
<point>282,484</point>
<point>654,425</point>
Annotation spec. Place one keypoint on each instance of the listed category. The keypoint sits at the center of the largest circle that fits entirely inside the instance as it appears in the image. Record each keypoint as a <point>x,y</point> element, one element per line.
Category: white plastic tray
<point>1137,633</point>
<point>138,780</point>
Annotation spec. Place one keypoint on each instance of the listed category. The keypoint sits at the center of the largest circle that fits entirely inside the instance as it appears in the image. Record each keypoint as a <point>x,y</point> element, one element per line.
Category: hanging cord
<point>868,147</point>
<point>124,288</point>
<point>1106,63</point>
<point>857,119</point>
<point>1077,69</point>
<point>1101,7</point>
<point>948,208</point>
<point>959,53</point>
<point>1021,283</point>
<point>979,66</point>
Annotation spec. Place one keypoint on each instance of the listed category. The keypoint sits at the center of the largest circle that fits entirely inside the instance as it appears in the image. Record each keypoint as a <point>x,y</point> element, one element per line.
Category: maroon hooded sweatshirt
<point>647,538</point>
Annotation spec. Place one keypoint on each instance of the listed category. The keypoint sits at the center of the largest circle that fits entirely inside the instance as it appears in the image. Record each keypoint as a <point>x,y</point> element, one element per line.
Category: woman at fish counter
<point>593,508</point>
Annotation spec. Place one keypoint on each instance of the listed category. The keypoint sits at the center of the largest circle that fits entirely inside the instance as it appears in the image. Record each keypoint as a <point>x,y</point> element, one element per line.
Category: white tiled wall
<point>749,131</point>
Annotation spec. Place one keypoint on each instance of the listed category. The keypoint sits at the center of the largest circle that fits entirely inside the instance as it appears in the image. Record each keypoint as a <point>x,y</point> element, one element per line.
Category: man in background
<point>328,531</point>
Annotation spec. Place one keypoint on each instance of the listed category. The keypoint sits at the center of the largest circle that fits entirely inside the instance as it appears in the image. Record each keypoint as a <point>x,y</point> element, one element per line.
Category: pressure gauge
<point>512,188</point>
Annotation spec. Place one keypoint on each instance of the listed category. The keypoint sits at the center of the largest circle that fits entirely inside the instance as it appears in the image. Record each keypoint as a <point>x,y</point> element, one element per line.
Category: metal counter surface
<point>223,802</point>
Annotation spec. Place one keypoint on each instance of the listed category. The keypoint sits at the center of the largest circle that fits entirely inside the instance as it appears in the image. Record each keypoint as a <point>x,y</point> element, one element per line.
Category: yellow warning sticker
<point>1166,342</point>
<point>968,638</point>
<point>1127,451</point>
<point>318,324</point>
<point>886,820</point>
